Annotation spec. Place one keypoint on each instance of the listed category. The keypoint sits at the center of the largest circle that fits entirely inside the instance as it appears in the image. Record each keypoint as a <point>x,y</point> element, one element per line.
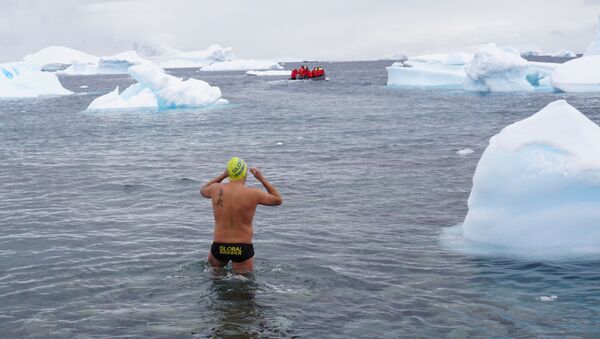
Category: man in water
<point>234,205</point>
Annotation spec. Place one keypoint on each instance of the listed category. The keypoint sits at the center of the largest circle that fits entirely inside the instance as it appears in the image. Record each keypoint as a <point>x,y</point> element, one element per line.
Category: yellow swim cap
<point>236,168</point>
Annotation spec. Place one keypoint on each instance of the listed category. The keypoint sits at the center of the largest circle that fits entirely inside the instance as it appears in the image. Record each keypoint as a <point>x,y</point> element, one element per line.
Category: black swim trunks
<point>234,252</point>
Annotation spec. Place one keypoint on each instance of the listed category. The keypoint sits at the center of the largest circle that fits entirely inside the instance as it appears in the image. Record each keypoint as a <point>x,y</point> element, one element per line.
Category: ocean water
<point>104,234</point>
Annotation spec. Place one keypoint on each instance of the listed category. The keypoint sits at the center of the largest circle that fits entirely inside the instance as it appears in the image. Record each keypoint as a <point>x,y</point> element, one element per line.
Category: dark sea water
<point>103,232</point>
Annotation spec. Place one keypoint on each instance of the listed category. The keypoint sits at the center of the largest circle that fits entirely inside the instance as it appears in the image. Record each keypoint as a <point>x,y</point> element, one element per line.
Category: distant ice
<point>243,65</point>
<point>532,51</point>
<point>536,189</point>
<point>83,86</point>
<point>269,73</point>
<point>20,79</point>
<point>564,53</point>
<point>464,152</point>
<point>496,70</point>
<point>157,90</point>
<point>201,58</point>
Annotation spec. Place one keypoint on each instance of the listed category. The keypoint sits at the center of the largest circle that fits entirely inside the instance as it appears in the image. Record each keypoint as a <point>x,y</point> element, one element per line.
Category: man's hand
<point>257,174</point>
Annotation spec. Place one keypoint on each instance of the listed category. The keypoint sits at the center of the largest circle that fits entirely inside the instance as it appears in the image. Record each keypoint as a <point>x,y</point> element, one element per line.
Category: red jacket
<point>294,73</point>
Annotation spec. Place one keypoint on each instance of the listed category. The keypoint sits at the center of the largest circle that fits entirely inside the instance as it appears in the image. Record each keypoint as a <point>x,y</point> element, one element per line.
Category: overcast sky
<point>311,29</point>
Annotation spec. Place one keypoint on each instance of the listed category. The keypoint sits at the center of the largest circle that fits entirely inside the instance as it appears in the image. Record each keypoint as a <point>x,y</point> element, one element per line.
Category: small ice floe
<point>464,152</point>
<point>83,86</point>
<point>547,298</point>
<point>279,143</point>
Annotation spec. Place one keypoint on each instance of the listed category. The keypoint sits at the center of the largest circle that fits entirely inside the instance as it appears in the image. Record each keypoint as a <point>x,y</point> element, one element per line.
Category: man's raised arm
<point>205,190</point>
<point>272,197</point>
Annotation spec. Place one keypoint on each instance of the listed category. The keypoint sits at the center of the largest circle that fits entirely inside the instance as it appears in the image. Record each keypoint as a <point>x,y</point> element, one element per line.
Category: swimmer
<point>234,206</point>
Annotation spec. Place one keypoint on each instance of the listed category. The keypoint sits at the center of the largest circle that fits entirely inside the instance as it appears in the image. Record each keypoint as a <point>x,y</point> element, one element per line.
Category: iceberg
<point>578,75</point>
<point>59,55</point>
<point>536,188</point>
<point>594,47</point>
<point>20,79</point>
<point>242,65</point>
<point>212,54</point>
<point>439,70</point>
<point>269,73</point>
<point>157,90</point>
<point>495,70</point>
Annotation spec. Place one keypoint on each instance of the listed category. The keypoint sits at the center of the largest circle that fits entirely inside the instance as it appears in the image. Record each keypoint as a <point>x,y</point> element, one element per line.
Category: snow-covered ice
<point>157,90</point>
<point>496,70</point>
<point>269,73</point>
<point>243,65</point>
<point>536,188</point>
<point>20,79</point>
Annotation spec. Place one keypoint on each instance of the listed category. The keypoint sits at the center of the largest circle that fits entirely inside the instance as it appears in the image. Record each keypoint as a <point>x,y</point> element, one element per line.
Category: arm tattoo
<point>220,199</point>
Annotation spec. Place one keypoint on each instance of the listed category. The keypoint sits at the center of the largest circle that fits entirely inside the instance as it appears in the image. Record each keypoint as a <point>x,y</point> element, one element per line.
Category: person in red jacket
<point>294,74</point>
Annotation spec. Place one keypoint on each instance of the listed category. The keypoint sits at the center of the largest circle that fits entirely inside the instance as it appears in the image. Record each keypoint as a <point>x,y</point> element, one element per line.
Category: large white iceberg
<point>19,79</point>
<point>491,69</point>
<point>536,189</point>
<point>157,90</point>
<point>242,65</point>
<point>430,70</point>
<point>496,70</point>
<point>578,75</point>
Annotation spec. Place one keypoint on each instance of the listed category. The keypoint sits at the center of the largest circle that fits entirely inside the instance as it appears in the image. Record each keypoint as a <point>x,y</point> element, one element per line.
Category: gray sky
<point>311,29</point>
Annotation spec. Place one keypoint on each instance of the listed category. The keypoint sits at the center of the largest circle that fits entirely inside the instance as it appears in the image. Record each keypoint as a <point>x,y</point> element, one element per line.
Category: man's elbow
<point>204,194</point>
<point>277,201</point>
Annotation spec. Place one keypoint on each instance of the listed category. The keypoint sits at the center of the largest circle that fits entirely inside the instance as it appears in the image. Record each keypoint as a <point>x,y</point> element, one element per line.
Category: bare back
<point>234,206</point>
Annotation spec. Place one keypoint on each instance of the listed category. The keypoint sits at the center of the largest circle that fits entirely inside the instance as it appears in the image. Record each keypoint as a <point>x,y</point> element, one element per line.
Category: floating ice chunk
<point>158,90</point>
<point>547,298</point>
<point>268,73</point>
<point>242,65</point>
<point>536,189</point>
<point>172,92</point>
<point>564,53</point>
<point>19,79</point>
<point>430,70</point>
<point>464,152</point>
<point>495,70</point>
<point>59,55</point>
<point>83,86</point>
<point>594,47</point>
<point>578,75</point>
